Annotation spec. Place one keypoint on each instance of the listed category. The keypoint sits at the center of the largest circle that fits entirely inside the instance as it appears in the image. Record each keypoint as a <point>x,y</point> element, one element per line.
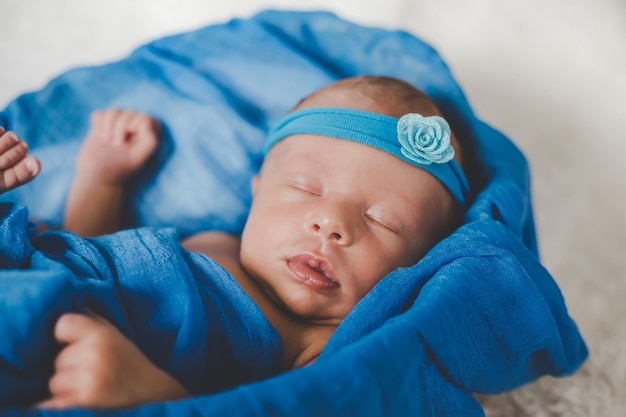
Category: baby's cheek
<point>374,276</point>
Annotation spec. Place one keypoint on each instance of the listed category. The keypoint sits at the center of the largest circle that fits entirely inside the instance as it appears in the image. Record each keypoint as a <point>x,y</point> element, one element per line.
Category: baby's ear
<point>254,182</point>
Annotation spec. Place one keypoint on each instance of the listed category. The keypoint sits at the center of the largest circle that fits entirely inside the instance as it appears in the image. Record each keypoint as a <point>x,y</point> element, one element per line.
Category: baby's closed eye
<point>378,217</point>
<point>309,186</point>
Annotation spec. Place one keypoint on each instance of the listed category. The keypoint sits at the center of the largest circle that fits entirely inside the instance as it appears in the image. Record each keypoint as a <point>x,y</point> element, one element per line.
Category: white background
<point>551,74</point>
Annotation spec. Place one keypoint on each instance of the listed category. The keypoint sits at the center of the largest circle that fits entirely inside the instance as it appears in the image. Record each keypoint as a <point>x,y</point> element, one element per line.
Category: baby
<point>361,178</point>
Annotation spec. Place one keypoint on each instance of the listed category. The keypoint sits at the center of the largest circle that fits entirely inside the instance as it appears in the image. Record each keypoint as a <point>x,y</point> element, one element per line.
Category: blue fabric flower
<point>425,139</point>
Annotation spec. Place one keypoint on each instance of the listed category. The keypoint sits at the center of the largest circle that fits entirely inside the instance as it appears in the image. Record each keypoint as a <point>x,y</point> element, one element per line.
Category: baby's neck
<point>302,342</point>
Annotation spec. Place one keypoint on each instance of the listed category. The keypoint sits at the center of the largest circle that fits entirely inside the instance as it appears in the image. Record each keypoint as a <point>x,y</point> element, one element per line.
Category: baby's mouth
<point>313,272</point>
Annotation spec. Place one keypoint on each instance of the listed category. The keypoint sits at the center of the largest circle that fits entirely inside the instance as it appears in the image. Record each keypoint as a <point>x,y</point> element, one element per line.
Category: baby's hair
<point>396,97</point>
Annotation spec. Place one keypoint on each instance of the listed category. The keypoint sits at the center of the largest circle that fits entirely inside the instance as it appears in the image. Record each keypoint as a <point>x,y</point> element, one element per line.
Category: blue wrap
<point>184,311</point>
<point>478,314</point>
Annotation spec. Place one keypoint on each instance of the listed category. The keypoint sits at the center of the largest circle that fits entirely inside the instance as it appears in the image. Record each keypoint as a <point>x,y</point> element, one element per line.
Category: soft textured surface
<point>551,75</point>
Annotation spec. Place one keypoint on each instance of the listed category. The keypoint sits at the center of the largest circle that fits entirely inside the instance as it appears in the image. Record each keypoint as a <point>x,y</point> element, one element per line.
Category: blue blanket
<point>478,314</point>
<point>181,309</point>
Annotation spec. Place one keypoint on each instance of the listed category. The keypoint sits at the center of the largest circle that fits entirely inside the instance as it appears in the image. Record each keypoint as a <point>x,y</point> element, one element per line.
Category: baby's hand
<point>16,167</point>
<point>99,368</point>
<point>117,146</point>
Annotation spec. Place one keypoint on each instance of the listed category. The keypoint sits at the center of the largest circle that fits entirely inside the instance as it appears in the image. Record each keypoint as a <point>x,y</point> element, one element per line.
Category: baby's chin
<point>313,315</point>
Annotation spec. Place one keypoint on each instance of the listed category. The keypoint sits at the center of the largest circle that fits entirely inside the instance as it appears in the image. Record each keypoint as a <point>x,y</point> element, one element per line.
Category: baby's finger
<point>63,383</point>
<point>60,402</point>
<point>54,403</point>
<point>151,126</point>
<point>144,122</point>
<point>108,122</point>
<point>13,155</point>
<point>147,131</point>
<point>70,357</point>
<point>62,386</point>
<point>96,119</point>
<point>72,327</point>
<point>22,172</point>
<point>123,127</point>
<point>7,141</point>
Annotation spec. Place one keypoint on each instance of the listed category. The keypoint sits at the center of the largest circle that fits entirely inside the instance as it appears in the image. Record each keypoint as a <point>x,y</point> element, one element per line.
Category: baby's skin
<point>16,167</point>
<point>117,146</point>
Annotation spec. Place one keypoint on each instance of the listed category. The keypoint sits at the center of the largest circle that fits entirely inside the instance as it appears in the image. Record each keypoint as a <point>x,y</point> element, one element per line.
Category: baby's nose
<point>334,223</point>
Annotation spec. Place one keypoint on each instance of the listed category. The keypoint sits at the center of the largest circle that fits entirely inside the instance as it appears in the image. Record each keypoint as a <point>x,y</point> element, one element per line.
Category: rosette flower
<point>425,139</point>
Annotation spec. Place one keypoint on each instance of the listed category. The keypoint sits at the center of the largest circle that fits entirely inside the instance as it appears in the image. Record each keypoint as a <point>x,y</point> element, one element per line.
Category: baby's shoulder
<point>213,244</point>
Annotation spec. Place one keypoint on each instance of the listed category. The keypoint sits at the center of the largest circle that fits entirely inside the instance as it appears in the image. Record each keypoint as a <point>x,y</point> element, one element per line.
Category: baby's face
<point>330,218</point>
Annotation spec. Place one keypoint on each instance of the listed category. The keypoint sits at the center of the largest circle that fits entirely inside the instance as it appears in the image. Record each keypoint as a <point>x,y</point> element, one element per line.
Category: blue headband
<point>418,140</point>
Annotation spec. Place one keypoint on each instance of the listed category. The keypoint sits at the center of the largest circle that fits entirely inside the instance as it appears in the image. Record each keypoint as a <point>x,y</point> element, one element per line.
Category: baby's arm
<point>118,144</point>
<point>16,167</point>
<point>100,368</point>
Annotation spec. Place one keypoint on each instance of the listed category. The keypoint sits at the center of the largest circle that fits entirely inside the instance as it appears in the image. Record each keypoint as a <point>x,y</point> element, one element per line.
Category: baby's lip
<point>313,271</point>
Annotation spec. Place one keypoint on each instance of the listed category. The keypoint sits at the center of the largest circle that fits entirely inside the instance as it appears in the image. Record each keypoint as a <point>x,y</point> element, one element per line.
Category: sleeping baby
<point>362,177</point>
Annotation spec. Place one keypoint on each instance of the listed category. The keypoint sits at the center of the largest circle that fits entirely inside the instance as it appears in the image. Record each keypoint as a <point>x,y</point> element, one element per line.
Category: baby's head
<point>347,194</point>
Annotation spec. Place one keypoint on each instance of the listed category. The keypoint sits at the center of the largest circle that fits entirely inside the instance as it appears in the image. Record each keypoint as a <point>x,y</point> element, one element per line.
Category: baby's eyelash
<point>380,223</point>
<point>308,191</point>
<point>308,188</point>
